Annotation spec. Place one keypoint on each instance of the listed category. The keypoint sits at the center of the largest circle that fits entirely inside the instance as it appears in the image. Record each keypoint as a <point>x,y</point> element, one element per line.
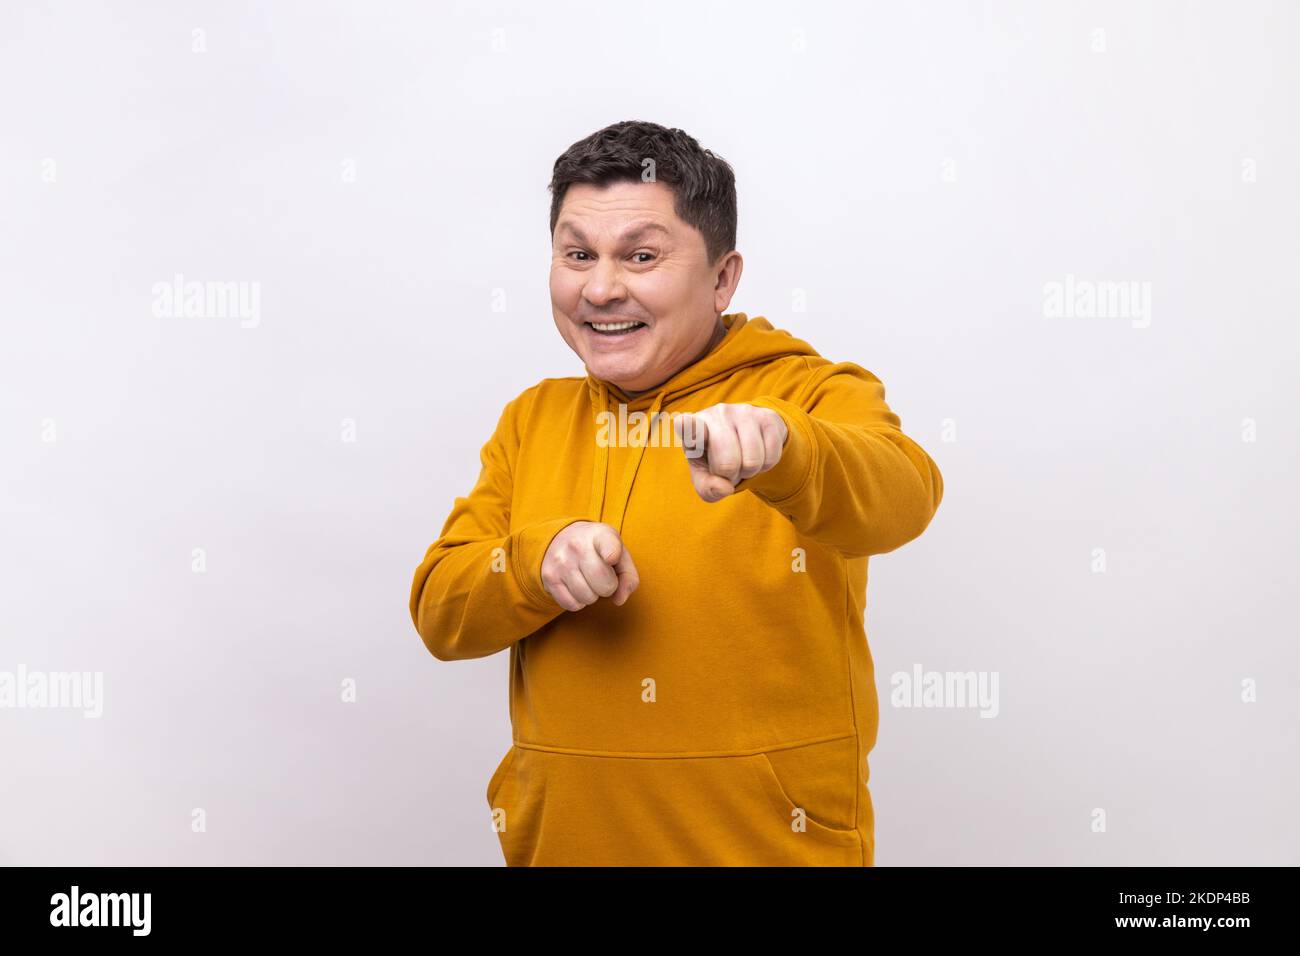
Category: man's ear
<point>727,271</point>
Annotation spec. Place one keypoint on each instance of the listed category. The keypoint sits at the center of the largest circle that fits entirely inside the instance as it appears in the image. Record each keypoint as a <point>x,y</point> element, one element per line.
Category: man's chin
<point>620,372</point>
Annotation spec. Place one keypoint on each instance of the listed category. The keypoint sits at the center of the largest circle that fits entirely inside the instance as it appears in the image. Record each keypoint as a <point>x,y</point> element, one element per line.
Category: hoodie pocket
<point>814,788</point>
<point>498,775</point>
<point>564,809</point>
<point>516,796</point>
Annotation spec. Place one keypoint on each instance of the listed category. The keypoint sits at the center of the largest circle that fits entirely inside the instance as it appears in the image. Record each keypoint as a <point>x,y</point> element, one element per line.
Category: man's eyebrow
<point>634,231</point>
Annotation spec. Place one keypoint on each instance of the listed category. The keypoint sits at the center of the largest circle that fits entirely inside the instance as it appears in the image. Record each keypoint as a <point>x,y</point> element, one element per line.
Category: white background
<point>1119,690</point>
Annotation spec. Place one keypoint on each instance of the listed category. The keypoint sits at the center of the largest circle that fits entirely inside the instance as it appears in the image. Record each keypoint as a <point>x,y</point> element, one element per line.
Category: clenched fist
<point>587,561</point>
<point>726,444</point>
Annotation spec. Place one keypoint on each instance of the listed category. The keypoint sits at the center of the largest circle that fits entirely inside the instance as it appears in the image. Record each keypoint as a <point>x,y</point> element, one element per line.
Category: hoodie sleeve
<point>479,587</point>
<point>848,477</point>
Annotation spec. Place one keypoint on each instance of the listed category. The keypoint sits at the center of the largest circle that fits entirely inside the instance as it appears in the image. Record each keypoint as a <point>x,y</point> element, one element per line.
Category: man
<point>690,682</point>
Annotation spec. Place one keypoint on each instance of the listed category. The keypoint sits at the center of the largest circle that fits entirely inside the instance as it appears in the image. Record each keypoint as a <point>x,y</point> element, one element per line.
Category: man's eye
<point>650,254</point>
<point>578,252</point>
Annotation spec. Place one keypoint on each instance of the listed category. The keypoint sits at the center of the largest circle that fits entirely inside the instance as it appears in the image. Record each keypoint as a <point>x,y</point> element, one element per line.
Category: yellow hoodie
<point>723,715</point>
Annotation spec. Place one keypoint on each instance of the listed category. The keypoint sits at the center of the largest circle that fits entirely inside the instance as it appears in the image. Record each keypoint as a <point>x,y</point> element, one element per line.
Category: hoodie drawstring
<point>600,471</point>
<point>633,466</point>
<point>596,503</point>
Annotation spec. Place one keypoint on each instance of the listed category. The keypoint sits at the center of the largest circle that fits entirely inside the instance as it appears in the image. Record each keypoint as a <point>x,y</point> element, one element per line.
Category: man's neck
<point>719,333</point>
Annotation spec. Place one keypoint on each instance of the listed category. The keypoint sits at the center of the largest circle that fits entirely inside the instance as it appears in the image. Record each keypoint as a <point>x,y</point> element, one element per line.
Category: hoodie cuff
<point>529,551</point>
<point>798,458</point>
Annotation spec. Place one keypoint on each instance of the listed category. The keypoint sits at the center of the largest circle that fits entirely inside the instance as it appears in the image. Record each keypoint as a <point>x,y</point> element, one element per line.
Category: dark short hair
<point>703,183</point>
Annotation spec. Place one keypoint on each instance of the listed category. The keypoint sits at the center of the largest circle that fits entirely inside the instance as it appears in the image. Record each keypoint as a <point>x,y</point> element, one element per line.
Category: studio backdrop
<point>1063,235</point>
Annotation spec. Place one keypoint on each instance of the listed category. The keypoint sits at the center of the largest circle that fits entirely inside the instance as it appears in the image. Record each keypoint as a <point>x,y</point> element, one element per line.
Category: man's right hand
<point>587,561</point>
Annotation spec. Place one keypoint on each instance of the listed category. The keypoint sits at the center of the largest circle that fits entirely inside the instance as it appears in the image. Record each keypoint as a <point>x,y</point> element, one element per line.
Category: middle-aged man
<point>674,546</point>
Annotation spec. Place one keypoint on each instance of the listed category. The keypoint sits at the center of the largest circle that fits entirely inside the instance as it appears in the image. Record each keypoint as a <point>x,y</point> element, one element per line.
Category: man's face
<point>621,255</point>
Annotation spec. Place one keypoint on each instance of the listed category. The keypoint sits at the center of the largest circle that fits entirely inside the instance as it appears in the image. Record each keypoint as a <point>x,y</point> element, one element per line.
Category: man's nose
<point>604,283</point>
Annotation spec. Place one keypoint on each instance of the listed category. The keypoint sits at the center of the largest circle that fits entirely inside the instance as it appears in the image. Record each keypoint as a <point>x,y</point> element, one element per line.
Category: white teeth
<point>614,326</point>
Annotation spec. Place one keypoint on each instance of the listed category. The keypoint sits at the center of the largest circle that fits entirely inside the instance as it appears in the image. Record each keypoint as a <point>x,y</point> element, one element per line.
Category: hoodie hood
<point>748,342</point>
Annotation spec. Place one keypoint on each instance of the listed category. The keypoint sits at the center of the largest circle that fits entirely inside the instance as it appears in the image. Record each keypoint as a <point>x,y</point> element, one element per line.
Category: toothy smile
<point>614,328</point>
